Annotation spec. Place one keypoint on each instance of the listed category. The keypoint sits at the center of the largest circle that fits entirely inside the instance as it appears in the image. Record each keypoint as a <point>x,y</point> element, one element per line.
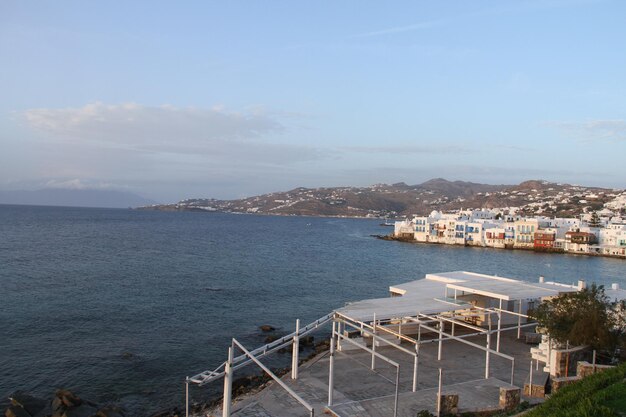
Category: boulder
<point>83,410</point>
<point>16,411</point>
<point>68,398</point>
<point>29,403</point>
<point>110,411</point>
<point>267,328</point>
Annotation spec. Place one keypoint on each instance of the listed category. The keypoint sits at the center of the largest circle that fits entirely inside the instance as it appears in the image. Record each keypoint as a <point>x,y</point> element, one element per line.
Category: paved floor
<point>359,391</point>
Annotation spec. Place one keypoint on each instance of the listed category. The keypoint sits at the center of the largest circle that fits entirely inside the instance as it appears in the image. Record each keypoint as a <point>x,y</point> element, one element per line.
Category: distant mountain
<point>400,199</point>
<point>74,198</point>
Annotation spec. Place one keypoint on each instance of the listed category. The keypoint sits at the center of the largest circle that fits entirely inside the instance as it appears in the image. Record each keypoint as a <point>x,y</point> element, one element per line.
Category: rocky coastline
<point>65,403</point>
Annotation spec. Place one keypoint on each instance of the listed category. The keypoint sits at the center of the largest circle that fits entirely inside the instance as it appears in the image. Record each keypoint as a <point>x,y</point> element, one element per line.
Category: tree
<point>585,317</point>
<point>595,220</point>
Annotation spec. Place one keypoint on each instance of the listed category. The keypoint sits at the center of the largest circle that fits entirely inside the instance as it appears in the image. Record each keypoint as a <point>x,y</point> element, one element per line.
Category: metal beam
<point>275,378</point>
<point>241,360</point>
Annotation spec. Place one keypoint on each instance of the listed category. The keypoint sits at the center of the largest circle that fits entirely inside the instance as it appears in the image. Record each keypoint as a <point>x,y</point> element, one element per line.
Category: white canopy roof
<point>428,295</point>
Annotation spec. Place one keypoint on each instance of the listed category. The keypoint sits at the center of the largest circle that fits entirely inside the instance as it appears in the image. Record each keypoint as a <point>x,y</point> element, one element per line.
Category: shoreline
<point>540,251</point>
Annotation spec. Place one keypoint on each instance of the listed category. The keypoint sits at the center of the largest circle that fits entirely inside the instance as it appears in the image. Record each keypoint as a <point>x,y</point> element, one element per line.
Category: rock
<point>270,338</point>
<point>127,355</point>
<point>16,411</point>
<point>29,403</point>
<point>68,398</point>
<point>307,341</point>
<point>267,328</point>
<point>83,410</point>
<point>110,411</point>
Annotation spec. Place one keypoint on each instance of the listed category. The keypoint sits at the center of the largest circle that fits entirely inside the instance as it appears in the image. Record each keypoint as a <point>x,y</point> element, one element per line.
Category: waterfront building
<point>545,239</point>
<point>495,237</point>
<point>579,241</point>
<point>497,229</point>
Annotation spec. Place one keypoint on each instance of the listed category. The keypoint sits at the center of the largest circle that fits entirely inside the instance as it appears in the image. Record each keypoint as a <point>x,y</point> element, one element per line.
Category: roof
<point>428,295</point>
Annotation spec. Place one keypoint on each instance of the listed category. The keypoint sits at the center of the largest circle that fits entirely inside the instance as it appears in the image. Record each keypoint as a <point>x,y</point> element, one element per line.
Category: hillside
<point>400,199</point>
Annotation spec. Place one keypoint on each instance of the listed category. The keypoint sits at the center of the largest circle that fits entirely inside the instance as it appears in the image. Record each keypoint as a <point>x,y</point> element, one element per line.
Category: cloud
<point>214,132</point>
<point>411,149</point>
<point>80,184</point>
<point>400,29</point>
<point>591,130</point>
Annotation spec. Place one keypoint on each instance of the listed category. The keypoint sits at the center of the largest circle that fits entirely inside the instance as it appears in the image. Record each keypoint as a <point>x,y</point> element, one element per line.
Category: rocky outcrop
<point>64,404</point>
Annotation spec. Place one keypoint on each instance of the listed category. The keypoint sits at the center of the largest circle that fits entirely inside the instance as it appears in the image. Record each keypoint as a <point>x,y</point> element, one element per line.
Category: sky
<point>175,100</point>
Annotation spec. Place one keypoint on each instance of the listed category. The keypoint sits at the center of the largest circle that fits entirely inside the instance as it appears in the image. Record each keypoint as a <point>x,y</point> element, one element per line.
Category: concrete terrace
<point>359,391</point>
<point>469,325</point>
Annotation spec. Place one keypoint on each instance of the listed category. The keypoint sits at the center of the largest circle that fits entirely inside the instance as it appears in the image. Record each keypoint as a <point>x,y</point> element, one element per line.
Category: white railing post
<point>499,329</point>
<point>439,393</point>
<point>415,366</point>
<point>530,382</point>
<point>487,355</point>
<point>331,367</point>
<point>439,349</point>
<point>374,343</point>
<point>228,383</point>
<point>519,320</point>
<point>187,397</point>
<point>295,352</point>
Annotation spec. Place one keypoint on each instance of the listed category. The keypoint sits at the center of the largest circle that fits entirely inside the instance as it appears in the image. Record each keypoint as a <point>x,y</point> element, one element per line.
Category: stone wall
<point>558,383</point>
<point>584,368</point>
<point>560,361</point>
<point>449,404</point>
<point>509,397</point>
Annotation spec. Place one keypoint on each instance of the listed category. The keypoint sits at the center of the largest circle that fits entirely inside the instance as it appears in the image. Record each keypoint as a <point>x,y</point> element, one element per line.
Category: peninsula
<point>536,197</point>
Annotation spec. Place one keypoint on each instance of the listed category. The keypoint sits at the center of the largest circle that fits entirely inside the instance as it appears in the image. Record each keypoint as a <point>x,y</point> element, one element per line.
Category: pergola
<point>415,310</point>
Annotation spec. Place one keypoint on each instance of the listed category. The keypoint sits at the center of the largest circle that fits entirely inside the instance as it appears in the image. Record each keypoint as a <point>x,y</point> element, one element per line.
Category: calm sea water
<point>121,305</point>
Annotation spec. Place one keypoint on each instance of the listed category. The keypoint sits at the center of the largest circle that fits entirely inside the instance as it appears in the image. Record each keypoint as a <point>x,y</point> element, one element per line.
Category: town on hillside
<point>600,233</point>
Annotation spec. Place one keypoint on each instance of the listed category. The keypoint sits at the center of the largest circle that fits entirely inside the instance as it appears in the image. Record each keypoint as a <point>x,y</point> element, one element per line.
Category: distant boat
<point>387,223</point>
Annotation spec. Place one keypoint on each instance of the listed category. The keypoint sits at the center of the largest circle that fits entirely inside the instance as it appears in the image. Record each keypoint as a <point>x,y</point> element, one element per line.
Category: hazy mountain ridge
<point>400,199</point>
<point>74,198</point>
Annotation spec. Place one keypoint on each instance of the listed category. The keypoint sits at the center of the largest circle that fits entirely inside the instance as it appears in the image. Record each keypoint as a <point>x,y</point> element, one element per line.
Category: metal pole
<point>331,367</point>
<point>594,361</point>
<point>499,327</point>
<point>340,327</point>
<point>374,342</point>
<point>530,383</point>
<point>440,340</point>
<point>487,355</point>
<point>519,320</point>
<point>228,383</point>
<point>187,397</point>
<point>395,400</point>
<point>549,356</point>
<point>415,365</point>
<point>295,352</point>
<point>439,394</point>
<point>512,370</point>
<point>567,359</point>
<point>274,377</point>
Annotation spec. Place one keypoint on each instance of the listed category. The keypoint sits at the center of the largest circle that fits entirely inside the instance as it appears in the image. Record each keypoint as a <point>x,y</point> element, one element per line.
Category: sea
<point>121,305</point>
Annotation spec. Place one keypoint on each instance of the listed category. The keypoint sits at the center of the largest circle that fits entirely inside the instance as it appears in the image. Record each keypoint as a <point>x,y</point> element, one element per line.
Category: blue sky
<point>231,99</point>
